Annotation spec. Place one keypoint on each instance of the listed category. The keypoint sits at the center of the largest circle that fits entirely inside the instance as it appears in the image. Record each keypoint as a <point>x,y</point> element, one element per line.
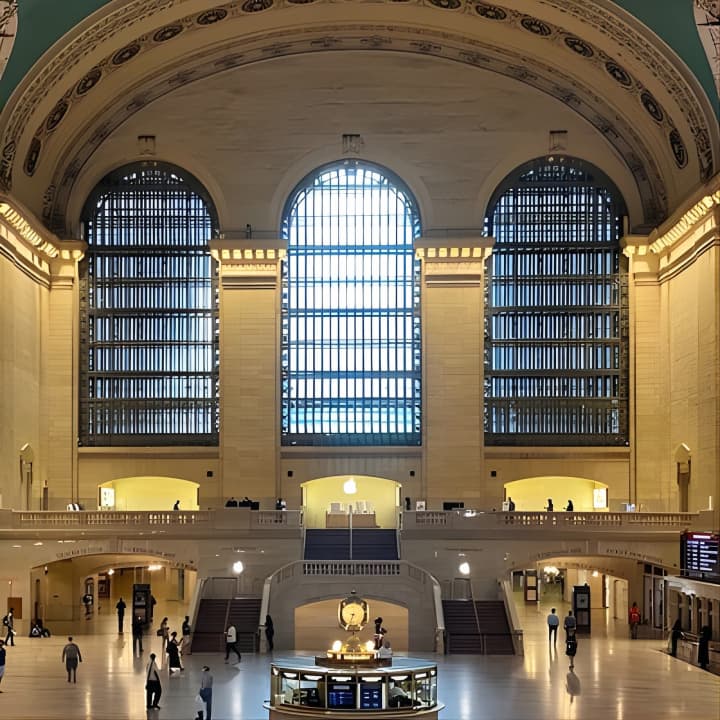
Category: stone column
<point>649,479</point>
<point>249,365</point>
<point>453,348</point>
<point>60,377</point>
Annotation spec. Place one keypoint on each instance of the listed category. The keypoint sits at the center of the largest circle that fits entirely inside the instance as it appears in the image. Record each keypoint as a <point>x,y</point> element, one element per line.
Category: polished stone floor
<point>615,678</point>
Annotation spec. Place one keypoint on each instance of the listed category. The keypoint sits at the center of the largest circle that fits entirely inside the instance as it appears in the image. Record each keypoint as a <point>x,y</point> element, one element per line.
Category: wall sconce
<point>238,567</point>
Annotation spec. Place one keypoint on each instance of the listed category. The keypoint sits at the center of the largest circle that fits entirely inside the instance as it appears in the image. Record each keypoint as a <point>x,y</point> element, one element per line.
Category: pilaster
<point>250,274</point>
<point>453,338</point>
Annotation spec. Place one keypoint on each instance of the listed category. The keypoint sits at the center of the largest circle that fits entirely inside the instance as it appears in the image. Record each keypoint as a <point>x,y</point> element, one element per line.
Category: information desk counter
<point>300,688</point>
<point>342,520</point>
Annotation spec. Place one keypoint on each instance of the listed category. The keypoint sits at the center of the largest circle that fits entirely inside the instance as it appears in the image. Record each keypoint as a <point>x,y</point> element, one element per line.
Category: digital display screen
<point>700,556</point>
<point>371,696</point>
<point>341,695</point>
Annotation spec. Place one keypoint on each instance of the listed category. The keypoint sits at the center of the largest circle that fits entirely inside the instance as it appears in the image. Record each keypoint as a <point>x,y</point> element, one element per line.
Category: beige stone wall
<point>692,385</point>
<point>23,316</point>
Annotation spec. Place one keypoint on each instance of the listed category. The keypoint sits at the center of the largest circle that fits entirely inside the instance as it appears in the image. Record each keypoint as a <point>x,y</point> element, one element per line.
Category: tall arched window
<point>351,310</point>
<point>556,351</point>
<point>148,309</point>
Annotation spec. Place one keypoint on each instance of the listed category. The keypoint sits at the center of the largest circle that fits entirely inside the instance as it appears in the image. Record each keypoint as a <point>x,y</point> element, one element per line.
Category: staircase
<point>367,544</point>
<point>489,634</point>
<point>209,631</point>
<point>215,615</point>
<point>244,614</point>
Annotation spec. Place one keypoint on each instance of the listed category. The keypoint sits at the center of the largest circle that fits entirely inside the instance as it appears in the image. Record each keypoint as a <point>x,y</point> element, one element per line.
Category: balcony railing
<point>208,520</point>
<point>585,521</point>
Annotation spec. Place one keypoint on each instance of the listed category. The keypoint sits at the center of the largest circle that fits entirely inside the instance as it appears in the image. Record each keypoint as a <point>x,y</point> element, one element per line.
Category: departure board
<point>700,556</point>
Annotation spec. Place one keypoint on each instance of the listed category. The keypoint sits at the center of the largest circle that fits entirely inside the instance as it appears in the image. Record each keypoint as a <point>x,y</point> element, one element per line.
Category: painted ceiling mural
<point>682,124</point>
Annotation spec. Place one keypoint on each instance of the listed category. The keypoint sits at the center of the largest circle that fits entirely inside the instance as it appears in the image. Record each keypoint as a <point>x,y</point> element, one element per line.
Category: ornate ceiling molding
<point>65,70</point>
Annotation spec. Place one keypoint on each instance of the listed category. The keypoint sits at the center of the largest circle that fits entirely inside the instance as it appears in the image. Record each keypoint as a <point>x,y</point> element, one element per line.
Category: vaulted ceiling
<point>452,94</point>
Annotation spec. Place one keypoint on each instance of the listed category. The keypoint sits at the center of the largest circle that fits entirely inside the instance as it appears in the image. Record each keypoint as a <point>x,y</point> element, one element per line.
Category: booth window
<point>148,311</point>
<point>351,310</point>
<point>556,315</point>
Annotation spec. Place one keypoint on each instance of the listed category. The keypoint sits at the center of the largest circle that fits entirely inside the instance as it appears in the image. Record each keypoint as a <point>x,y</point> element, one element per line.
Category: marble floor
<point>615,678</point>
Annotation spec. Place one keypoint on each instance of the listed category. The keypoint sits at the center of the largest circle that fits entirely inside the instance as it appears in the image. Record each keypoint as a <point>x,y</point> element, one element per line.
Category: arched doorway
<point>531,494</point>
<point>372,501</point>
<point>148,493</point>
<point>316,624</point>
<point>59,588</point>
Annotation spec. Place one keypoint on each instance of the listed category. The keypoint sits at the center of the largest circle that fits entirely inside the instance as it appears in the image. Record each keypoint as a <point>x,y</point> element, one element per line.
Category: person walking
<point>675,635</point>
<point>634,620</point>
<point>164,633</point>
<point>206,693</point>
<point>553,622</point>
<point>570,625</point>
<point>137,633</point>
<point>176,506</point>
<point>71,657</point>
<point>231,642</point>
<point>3,653</point>
<point>269,633</point>
<point>173,651</point>
<point>9,623</point>
<point>153,688</point>
<point>121,614</point>
<point>186,630</point>
<point>571,647</point>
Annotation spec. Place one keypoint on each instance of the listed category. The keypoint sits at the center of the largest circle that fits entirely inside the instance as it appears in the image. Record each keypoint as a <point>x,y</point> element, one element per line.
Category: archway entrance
<point>364,500</point>
<point>148,493</point>
<point>531,494</point>
<point>316,624</point>
<point>59,587</point>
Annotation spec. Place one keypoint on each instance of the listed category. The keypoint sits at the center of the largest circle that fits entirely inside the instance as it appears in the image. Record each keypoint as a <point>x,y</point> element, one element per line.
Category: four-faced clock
<point>353,613</point>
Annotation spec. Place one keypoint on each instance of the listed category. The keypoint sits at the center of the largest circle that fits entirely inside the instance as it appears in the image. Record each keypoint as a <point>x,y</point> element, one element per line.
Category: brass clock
<point>353,613</point>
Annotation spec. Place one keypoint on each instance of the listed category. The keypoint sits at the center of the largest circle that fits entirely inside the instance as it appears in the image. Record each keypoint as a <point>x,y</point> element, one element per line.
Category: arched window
<point>148,308</point>
<point>351,310</point>
<point>556,351</point>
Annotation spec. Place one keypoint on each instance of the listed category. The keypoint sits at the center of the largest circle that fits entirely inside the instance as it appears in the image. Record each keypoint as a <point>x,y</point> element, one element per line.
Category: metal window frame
<point>149,333</point>
<point>556,315</point>
<point>351,369</point>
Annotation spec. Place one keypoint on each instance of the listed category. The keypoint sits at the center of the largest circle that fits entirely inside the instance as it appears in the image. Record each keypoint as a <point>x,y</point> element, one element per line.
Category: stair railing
<point>477,620</point>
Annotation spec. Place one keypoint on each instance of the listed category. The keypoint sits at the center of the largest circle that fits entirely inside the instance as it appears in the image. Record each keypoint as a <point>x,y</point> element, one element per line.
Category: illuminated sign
<point>700,556</point>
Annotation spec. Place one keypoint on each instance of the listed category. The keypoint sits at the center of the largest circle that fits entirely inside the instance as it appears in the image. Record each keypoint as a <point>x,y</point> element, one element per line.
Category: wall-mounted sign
<point>700,556</point>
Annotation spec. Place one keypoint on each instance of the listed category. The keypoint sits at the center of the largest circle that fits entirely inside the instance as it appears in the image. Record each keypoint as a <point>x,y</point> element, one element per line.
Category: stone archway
<point>327,499</point>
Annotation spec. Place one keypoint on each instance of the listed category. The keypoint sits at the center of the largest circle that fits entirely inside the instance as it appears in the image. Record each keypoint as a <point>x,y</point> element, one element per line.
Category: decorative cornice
<point>630,142</point>
<point>688,222</point>
<point>248,264</point>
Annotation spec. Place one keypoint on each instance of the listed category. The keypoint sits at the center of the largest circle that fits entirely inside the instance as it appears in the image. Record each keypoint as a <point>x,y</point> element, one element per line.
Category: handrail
<point>581,521</point>
<point>477,618</point>
<point>517,632</point>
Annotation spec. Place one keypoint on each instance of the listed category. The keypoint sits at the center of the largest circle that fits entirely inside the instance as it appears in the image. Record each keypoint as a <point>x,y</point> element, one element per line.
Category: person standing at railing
<point>269,633</point>
<point>704,647</point>
<point>550,507</point>
<point>570,507</point>
<point>511,505</point>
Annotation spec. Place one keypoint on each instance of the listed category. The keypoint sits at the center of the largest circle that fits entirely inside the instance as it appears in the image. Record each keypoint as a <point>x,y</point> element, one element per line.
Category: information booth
<point>300,688</point>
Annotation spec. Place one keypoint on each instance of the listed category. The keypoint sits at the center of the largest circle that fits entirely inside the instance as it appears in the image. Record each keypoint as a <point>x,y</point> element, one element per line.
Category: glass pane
<point>149,320</point>
<point>556,352</point>
<point>351,315</point>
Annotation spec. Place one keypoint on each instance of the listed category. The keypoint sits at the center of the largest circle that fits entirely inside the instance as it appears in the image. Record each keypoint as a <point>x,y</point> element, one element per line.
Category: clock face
<point>353,614</point>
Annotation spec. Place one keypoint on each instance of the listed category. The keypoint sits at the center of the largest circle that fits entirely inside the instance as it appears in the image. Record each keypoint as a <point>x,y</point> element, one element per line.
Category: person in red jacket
<point>634,619</point>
